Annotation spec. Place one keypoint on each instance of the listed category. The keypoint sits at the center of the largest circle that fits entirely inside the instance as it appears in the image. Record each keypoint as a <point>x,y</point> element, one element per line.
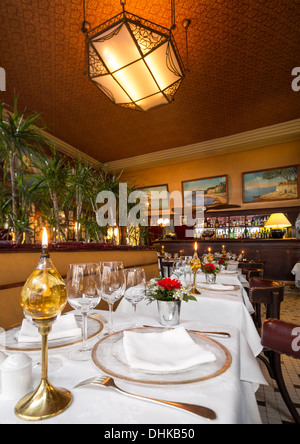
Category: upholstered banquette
<point>17,266</point>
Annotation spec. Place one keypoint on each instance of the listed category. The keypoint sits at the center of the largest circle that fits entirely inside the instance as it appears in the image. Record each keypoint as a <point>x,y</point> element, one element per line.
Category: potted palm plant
<point>20,139</point>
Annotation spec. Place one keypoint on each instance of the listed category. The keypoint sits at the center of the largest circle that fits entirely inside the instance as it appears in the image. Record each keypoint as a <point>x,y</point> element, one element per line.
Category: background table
<point>231,395</point>
<point>228,308</point>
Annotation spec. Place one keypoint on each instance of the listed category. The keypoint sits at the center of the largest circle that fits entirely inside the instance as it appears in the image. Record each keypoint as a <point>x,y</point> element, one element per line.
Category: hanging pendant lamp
<point>133,61</point>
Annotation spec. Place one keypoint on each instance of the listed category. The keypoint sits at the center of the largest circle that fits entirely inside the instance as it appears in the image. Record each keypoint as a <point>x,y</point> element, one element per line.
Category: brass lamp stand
<point>195,265</point>
<point>43,297</point>
<point>46,401</point>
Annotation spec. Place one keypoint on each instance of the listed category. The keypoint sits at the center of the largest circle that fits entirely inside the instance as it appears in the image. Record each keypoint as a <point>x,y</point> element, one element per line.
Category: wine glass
<point>112,286</point>
<point>135,288</point>
<point>83,288</point>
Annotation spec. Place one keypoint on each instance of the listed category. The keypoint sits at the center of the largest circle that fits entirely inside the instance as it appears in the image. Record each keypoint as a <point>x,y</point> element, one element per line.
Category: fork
<point>108,382</point>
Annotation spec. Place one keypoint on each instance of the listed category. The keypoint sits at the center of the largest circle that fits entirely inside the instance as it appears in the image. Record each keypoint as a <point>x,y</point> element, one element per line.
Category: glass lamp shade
<point>134,62</point>
<point>278,221</point>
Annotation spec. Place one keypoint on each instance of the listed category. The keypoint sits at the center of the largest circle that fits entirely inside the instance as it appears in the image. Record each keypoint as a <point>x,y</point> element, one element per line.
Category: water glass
<point>83,288</point>
<point>112,286</point>
<point>135,288</point>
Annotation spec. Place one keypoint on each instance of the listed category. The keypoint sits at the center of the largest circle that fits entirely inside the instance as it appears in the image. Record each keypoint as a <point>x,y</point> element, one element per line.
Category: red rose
<point>221,261</point>
<point>211,266</point>
<point>169,284</point>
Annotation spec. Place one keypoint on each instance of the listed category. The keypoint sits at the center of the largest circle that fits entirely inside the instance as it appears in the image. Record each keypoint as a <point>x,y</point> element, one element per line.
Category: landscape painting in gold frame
<point>215,190</point>
<point>270,185</point>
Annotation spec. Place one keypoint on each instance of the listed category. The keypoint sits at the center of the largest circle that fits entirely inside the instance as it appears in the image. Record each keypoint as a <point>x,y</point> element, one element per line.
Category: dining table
<point>220,306</point>
<point>230,394</point>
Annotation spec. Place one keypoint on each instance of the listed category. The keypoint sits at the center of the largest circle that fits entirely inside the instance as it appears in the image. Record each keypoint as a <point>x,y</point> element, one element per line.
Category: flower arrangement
<point>210,269</point>
<point>168,290</point>
<point>223,260</point>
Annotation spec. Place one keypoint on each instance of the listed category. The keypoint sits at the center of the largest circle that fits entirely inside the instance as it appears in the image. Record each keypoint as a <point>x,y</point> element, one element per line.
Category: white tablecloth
<point>227,308</point>
<point>231,395</point>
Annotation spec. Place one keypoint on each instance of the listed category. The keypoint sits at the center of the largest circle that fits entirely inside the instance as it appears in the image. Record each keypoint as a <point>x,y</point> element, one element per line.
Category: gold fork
<point>108,382</point>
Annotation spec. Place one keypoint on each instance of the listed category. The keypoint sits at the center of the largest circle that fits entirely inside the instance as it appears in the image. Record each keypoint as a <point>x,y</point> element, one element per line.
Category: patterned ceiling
<point>241,57</point>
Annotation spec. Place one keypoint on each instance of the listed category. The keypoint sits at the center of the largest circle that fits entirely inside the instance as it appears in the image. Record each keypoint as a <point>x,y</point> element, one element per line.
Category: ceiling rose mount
<point>133,61</point>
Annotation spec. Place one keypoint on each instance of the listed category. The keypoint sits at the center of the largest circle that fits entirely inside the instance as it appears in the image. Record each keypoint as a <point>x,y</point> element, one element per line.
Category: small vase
<point>210,278</point>
<point>169,313</point>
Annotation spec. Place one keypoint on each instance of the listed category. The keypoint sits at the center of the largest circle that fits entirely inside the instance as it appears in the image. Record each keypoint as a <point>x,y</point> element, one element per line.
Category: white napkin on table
<point>170,350</point>
<point>65,327</point>
<point>217,287</point>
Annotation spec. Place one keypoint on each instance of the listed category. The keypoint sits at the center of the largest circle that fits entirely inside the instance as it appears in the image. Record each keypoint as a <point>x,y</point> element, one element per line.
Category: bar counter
<point>280,254</point>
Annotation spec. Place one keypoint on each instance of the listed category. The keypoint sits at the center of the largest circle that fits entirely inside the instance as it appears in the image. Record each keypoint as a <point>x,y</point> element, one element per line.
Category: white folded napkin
<point>229,272</point>
<point>218,287</point>
<point>65,327</point>
<point>171,350</point>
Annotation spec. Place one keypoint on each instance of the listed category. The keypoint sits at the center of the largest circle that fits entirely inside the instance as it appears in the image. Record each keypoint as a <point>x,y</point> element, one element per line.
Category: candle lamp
<point>43,298</point>
<point>195,265</point>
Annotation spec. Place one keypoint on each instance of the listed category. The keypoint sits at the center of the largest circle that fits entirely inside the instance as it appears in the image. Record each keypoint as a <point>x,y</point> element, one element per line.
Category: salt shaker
<point>3,356</point>
<point>16,376</point>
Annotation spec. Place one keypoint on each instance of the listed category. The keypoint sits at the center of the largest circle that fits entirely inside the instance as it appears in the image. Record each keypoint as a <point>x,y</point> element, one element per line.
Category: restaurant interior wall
<point>233,164</point>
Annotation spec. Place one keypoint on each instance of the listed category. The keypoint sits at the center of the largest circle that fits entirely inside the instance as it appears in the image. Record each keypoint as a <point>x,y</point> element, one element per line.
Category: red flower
<point>210,266</point>
<point>221,261</point>
<point>169,284</point>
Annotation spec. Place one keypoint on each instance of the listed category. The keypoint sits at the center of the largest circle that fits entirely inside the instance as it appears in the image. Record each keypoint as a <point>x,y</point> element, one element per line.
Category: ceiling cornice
<point>274,134</point>
<point>64,147</point>
<point>279,133</point>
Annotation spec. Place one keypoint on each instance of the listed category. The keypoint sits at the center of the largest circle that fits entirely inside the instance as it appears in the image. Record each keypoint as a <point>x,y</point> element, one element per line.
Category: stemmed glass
<point>83,288</point>
<point>135,288</point>
<point>112,286</point>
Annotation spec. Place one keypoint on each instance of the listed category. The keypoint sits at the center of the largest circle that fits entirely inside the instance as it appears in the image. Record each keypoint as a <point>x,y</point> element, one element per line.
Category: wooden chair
<point>278,338</point>
<point>268,292</point>
<point>252,272</point>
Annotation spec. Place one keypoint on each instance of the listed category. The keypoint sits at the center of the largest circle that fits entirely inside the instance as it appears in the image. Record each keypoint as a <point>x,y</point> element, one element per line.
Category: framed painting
<point>271,185</point>
<point>159,204</point>
<point>215,190</point>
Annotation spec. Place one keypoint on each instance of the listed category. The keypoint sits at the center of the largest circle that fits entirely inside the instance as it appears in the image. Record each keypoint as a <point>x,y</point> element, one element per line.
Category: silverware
<point>219,334</point>
<point>108,382</point>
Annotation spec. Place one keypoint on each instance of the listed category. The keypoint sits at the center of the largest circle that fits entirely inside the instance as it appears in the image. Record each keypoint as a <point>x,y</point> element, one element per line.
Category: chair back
<point>265,291</point>
<point>281,337</point>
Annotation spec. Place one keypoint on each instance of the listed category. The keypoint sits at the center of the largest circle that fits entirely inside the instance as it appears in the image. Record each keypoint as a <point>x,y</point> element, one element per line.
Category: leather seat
<point>278,338</point>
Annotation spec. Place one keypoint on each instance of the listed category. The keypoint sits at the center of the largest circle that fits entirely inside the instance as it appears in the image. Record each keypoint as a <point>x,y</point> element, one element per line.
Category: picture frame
<point>215,190</point>
<point>163,204</point>
<point>273,184</point>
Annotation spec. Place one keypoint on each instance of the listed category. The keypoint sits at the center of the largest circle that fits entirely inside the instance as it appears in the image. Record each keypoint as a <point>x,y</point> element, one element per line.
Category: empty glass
<point>112,286</point>
<point>83,288</point>
<point>135,288</point>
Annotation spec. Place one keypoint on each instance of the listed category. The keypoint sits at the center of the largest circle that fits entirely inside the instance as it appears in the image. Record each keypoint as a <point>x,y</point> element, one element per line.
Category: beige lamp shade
<point>134,62</point>
<point>278,220</point>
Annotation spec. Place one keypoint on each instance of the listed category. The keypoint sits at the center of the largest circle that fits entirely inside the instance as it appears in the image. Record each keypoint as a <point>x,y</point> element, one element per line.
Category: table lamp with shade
<point>278,222</point>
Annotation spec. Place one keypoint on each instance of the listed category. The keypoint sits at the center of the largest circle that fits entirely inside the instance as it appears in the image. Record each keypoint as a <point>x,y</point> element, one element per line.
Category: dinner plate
<point>109,356</point>
<point>95,326</point>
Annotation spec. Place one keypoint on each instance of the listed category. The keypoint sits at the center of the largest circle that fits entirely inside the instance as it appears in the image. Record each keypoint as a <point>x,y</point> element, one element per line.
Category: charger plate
<point>109,356</point>
<point>95,326</point>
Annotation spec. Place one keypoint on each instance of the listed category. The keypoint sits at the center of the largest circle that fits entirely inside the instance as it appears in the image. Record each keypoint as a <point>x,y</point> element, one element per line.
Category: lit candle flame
<point>196,246</point>
<point>45,238</point>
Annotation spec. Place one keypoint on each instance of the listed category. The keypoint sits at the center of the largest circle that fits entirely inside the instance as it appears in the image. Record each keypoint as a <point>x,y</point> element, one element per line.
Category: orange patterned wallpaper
<point>241,56</point>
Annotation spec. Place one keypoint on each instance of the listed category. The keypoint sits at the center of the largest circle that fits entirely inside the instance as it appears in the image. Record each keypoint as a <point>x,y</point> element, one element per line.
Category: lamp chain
<point>85,25</point>
<point>173,17</point>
